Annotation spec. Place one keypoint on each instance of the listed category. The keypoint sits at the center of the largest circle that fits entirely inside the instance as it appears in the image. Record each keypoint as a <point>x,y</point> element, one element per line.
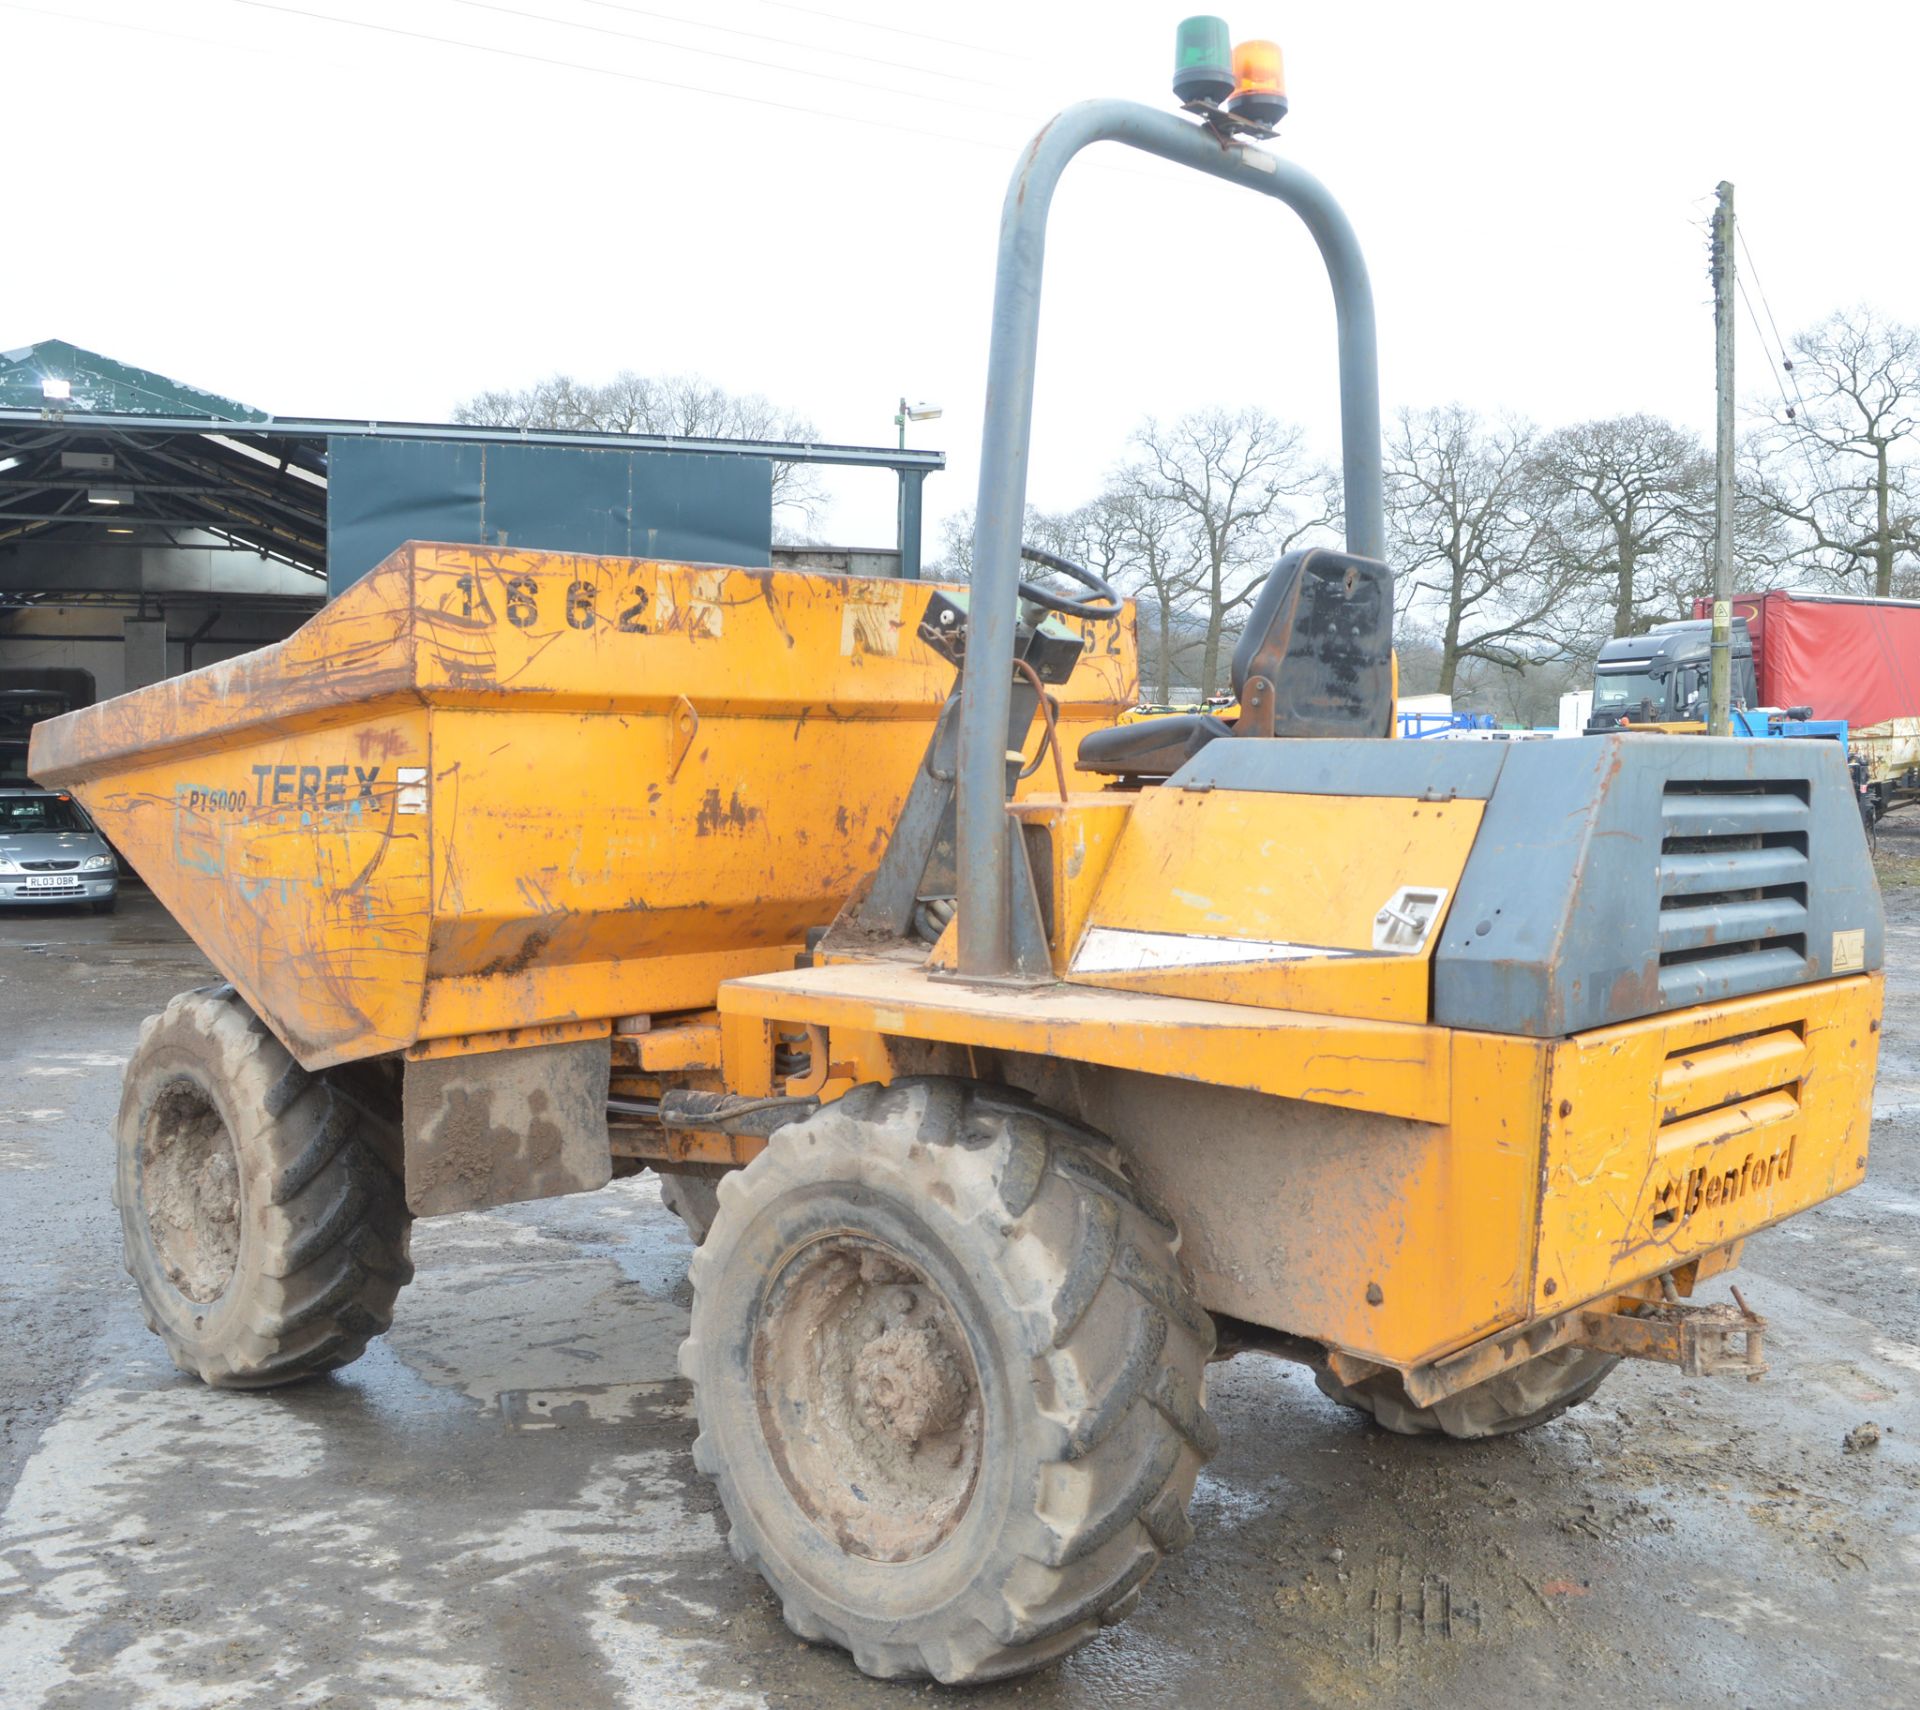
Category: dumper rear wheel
<point>263,1222</point>
<point>948,1379</point>
<point>1530,1394</point>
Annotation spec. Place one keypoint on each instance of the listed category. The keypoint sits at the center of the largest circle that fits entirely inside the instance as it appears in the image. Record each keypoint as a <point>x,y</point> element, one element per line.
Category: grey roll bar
<point>983,843</point>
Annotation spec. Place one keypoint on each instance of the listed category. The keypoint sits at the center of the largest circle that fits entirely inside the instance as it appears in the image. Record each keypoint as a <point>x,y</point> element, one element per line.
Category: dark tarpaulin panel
<point>1858,660</point>
<point>682,506</point>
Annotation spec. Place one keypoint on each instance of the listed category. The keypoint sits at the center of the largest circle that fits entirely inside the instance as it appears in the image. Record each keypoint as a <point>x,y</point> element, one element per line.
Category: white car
<point>50,852</point>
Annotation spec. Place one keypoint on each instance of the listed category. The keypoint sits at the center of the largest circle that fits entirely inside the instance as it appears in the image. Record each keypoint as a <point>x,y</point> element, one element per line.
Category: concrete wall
<point>841,560</point>
<point>131,612</point>
<point>94,640</point>
<point>199,565</point>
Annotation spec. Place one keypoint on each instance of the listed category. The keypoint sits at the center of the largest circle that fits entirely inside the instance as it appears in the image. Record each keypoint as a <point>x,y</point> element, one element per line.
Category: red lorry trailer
<point>1845,657</point>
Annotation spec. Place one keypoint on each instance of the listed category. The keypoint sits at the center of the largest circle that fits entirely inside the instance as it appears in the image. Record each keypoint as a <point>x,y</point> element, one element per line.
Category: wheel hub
<point>868,1397</point>
<point>190,1191</point>
<point>908,1383</point>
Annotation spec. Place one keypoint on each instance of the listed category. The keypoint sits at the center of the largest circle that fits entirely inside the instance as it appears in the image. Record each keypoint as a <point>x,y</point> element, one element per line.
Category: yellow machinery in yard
<point>1448,1069</point>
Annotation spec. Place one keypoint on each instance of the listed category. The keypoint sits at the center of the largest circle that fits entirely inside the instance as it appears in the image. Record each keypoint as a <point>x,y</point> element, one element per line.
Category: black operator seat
<point>1315,659</point>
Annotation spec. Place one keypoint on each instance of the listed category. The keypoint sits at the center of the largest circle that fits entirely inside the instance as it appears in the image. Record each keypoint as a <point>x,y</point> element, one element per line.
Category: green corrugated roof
<point>99,383</point>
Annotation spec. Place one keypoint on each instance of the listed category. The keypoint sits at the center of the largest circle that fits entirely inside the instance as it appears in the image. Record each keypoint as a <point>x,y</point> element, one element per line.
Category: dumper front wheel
<point>948,1379</point>
<point>262,1221</point>
<point>1530,1394</point>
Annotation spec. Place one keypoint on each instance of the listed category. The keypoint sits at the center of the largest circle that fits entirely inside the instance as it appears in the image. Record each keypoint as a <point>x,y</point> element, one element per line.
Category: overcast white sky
<point>255,197</point>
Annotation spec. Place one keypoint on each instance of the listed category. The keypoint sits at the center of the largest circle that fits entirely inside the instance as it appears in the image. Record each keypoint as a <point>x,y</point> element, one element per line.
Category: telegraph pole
<point>1720,686</point>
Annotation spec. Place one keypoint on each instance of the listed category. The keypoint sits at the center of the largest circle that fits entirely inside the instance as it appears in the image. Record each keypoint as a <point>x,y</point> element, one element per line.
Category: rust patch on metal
<point>381,742</point>
<point>716,816</point>
<point>519,962</point>
<point>1636,991</point>
<point>765,582</point>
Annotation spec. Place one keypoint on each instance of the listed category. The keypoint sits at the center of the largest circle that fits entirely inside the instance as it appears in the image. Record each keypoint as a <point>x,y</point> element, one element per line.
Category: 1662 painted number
<point>580,606</point>
<point>1102,636</point>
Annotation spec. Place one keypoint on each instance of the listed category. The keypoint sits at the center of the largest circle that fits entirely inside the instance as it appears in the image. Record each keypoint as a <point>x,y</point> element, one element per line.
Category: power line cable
<point>733,97</point>
<point>1753,267</point>
<point>1103,168</point>
<point>729,96</point>
<point>790,41</point>
<point>1779,343</point>
<point>62,16</point>
<point>1823,487</point>
<point>898,30</point>
<point>1759,332</point>
<point>1831,484</point>
<point>780,66</point>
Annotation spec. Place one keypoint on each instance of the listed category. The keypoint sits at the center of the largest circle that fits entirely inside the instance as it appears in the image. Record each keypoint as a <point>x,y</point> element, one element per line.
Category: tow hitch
<point>1700,1340</point>
<point>1724,1339</point>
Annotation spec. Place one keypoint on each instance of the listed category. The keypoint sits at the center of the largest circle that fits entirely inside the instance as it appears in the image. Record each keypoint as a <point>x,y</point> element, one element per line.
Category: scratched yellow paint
<point>1526,1181</point>
<point>1300,870</point>
<point>1356,1065</point>
<point>1679,1133</point>
<point>488,789</point>
<point>1069,845</point>
<point>491,791</point>
<point>259,799</point>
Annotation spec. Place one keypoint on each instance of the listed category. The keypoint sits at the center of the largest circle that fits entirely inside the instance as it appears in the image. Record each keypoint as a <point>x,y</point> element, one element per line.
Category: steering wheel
<point>1104,607</point>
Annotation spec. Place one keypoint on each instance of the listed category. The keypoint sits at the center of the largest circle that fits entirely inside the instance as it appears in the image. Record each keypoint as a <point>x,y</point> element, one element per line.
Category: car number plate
<point>54,882</point>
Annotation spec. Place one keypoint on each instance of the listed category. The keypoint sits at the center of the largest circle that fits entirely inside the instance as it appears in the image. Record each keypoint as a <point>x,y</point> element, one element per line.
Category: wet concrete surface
<point>497,1506</point>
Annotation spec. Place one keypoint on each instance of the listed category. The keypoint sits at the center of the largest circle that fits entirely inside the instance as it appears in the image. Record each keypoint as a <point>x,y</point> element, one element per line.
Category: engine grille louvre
<point>1747,1085</point>
<point>1733,887</point>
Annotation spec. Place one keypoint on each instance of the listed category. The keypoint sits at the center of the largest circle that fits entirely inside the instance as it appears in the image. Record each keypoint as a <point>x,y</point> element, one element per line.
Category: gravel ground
<point>496,1507</point>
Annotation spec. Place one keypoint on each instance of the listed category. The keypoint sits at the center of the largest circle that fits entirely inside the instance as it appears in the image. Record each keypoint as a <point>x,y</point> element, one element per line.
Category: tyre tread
<point>1122,1359</point>
<point>335,1218</point>
<point>1532,1393</point>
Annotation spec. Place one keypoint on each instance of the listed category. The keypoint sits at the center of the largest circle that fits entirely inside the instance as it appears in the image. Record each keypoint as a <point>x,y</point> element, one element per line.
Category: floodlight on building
<point>109,495</point>
<point>56,389</point>
<point>921,412</point>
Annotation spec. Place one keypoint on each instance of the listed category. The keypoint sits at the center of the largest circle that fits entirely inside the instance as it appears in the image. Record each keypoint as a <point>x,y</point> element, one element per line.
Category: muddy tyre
<point>694,1199</point>
<point>948,1379</point>
<point>262,1221</point>
<point>1541,1389</point>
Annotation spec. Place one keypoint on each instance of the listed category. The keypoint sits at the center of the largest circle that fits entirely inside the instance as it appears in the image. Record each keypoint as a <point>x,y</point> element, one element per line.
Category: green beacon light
<point>1202,60</point>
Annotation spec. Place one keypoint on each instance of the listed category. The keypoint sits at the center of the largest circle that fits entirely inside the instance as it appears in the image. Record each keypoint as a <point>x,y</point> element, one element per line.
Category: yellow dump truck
<point>1010,1063</point>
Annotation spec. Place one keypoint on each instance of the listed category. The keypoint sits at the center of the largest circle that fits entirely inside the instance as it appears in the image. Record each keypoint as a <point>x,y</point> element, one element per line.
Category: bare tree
<point>559,401</point>
<point>1527,695</point>
<point>1838,465</point>
<point>1160,564</point>
<point>682,405</point>
<point>1417,654</point>
<point>1131,535</point>
<point>1247,489</point>
<point>955,563</point>
<point>1627,509</point>
<point>1466,542</point>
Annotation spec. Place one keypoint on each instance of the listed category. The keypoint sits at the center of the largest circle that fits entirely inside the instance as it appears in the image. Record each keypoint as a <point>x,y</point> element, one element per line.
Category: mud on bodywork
<point>495,1127</point>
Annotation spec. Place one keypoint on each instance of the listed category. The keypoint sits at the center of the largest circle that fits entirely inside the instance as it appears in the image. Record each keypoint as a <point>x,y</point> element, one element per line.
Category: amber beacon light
<point>1259,83</point>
